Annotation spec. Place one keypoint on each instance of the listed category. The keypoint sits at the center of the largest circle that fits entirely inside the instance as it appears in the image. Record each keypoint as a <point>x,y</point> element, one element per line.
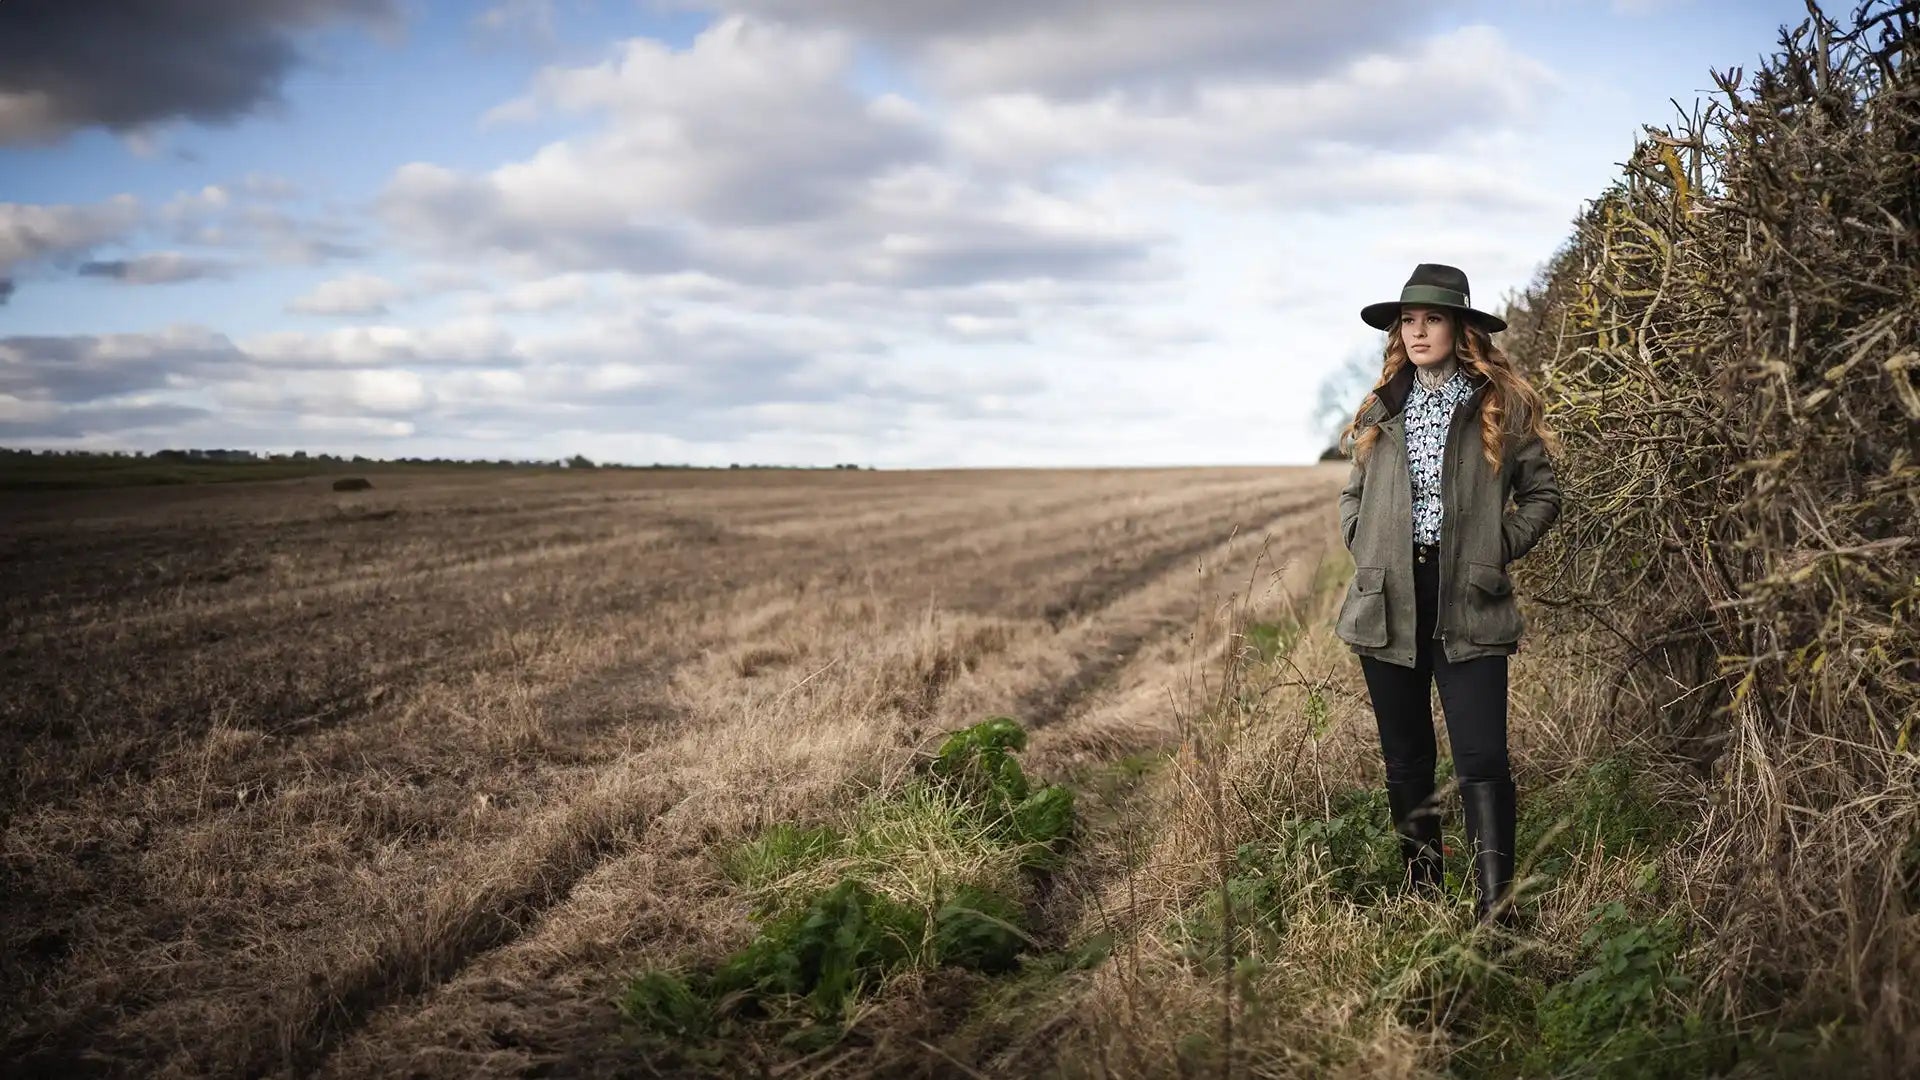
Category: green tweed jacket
<point>1479,535</point>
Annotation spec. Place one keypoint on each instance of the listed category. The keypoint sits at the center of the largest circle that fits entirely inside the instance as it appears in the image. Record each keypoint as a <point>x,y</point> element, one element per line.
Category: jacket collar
<point>1392,398</point>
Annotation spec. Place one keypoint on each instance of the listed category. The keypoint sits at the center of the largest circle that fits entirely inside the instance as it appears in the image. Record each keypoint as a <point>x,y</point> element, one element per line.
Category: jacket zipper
<point>1446,526</point>
<point>1406,469</point>
<point>1448,511</point>
<point>1450,463</point>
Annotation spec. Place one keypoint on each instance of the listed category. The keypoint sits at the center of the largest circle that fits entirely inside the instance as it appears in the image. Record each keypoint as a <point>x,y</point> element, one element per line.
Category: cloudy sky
<point>931,233</point>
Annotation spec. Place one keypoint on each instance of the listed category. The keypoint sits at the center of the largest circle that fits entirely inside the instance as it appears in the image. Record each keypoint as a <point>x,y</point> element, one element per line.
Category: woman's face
<point>1427,333</point>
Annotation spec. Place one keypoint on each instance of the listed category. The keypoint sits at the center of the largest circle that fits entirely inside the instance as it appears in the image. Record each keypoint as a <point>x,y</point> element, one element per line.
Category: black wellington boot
<point>1416,817</point>
<point>1490,823</point>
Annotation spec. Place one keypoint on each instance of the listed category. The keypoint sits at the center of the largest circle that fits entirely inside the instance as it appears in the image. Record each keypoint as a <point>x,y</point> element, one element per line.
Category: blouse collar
<point>1390,400</point>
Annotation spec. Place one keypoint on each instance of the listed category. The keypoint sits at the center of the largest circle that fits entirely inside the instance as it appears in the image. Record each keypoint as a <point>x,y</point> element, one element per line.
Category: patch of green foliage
<point>1626,1012</point>
<point>1353,855</point>
<point>1025,1003</point>
<point>980,930</point>
<point>979,763</point>
<point>780,852</point>
<point>1272,639</point>
<point>822,949</point>
<point>827,953</point>
<point>1628,1008</point>
<point>1608,804</point>
<point>1240,918</point>
<point>1355,847</point>
<point>1625,1003</point>
<point>1319,713</point>
<point>1625,1006</point>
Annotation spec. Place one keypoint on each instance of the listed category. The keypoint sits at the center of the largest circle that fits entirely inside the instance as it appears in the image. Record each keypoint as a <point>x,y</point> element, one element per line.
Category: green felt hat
<point>1434,285</point>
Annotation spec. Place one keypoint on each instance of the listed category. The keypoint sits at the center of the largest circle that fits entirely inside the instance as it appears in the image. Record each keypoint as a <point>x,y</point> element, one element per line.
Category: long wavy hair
<point>1511,407</point>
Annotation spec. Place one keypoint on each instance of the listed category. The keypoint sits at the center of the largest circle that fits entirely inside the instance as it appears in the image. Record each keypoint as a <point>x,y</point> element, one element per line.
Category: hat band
<point>1433,294</point>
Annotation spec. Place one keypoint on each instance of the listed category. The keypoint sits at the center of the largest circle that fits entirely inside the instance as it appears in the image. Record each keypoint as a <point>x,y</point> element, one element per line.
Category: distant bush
<point>353,483</point>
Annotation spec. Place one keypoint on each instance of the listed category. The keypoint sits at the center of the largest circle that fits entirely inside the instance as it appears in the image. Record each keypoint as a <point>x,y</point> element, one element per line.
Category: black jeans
<point>1473,693</point>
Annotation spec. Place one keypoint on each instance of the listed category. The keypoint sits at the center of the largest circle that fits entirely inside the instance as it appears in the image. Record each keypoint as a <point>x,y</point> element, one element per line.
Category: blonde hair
<point>1475,351</point>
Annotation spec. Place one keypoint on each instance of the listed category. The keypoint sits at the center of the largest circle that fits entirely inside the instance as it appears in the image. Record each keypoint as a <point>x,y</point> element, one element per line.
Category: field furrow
<point>249,831</point>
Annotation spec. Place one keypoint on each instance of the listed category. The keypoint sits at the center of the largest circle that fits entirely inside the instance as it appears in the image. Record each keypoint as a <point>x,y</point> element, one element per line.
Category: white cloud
<point>355,294</point>
<point>750,157</point>
<point>355,428</point>
<point>540,295</point>
<point>379,393</point>
<point>986,232</point>
<point>256,216</point>
<point>1070,48</point>
<point>704,379</point>
<point>270,186</point>
<point>520,19</point>
<point>753,124</point>
<point>31,233</point>
<point>1418,100</point>
<point>464,343</point>
<point>84,368</point>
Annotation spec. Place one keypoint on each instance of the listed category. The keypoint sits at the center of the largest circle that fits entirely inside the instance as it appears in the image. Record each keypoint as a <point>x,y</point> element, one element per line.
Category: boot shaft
<point>1490,814</point>
<point>1416,818</point>
<point>1415,811</point>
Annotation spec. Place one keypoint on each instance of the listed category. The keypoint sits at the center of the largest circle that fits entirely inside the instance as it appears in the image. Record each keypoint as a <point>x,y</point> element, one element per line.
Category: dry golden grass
<point>410,780</point>
<point>1347,985</point>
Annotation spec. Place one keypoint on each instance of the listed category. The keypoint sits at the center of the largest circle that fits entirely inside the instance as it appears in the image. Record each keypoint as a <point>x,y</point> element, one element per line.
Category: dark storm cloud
<point>6,291</point>
<point>66,65</point>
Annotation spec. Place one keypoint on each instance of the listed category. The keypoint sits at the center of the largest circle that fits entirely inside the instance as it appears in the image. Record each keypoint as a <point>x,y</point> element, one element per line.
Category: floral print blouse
<point>1429,413</point>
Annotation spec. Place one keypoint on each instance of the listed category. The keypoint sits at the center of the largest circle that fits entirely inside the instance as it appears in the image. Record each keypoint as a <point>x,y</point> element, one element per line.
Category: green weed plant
<point>930,874</point>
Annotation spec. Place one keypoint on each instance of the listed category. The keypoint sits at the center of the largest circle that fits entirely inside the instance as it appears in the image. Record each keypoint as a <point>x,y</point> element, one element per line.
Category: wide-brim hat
<point>1433,285</point>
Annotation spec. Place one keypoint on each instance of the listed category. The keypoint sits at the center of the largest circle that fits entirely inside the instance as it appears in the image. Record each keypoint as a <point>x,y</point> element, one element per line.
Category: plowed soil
<point>406,782</point>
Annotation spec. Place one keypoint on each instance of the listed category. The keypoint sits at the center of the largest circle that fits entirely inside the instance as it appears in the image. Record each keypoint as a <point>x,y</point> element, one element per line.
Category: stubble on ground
<point>412,780</point>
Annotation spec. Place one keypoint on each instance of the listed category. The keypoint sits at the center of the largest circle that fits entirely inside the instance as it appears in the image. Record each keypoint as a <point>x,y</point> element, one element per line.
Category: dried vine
<point>1728,343</point>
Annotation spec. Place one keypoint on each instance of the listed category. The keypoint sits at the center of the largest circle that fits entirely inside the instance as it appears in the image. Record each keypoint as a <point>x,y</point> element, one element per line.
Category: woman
<point>1449,433</point>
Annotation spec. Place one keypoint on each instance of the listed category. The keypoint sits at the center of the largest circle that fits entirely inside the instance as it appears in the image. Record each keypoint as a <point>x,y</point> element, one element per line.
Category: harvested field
<point>410,780</point>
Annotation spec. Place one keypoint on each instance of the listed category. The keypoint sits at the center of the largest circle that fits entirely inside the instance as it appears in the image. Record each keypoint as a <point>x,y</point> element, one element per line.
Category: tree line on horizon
<point>221,456</point>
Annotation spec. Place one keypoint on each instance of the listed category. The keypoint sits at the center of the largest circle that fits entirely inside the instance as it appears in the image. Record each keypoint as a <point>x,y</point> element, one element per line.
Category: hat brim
<point>1381,316</point>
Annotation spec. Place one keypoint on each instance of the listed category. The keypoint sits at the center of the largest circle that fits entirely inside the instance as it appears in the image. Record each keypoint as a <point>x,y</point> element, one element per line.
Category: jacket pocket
<point>1363,616</point>
<point>1493,615</point>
